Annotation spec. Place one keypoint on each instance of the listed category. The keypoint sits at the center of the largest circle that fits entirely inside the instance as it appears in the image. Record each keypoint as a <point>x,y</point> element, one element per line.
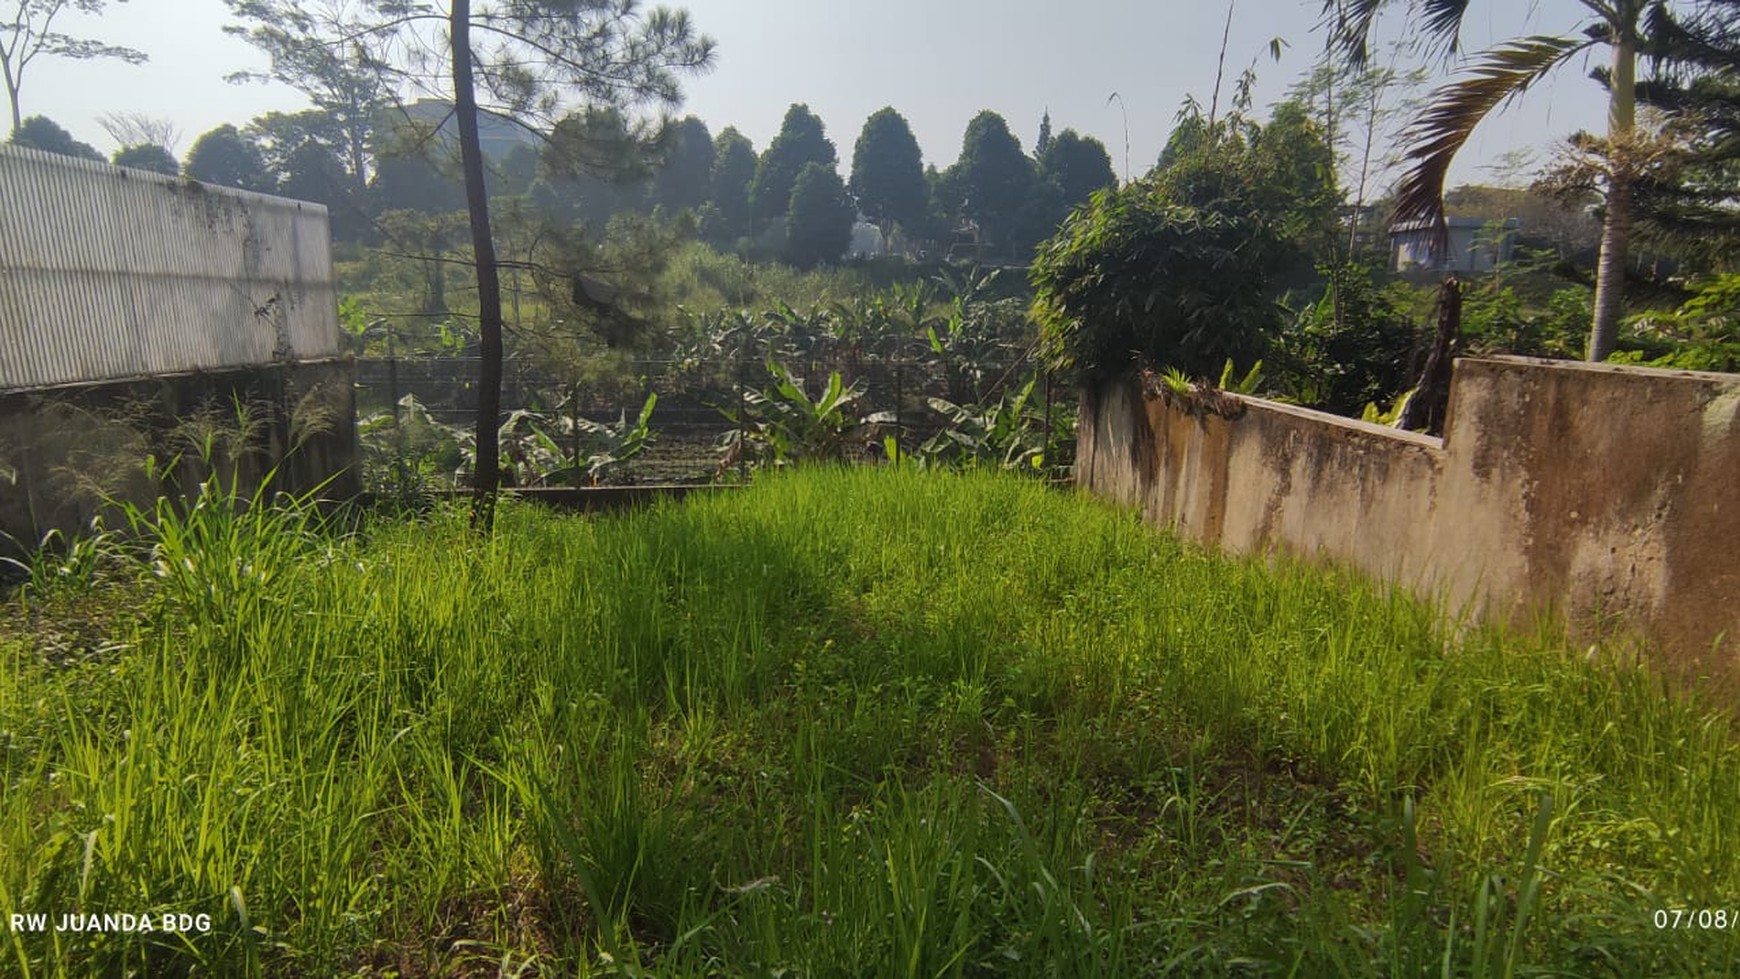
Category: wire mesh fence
<point>699,402</point>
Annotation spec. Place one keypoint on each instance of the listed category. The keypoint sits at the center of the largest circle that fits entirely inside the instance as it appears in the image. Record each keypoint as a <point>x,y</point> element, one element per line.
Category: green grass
<point>845,722</point>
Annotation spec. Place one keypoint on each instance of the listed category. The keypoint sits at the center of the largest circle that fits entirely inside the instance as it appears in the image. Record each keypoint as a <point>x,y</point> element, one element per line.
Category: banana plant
<point>781,424</point>
<point>1008,433</point>
<point>800,334</point>
<point>557,449</point>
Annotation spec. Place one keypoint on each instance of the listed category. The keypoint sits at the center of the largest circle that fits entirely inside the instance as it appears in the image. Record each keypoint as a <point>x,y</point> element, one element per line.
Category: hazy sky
<point>937,61</point>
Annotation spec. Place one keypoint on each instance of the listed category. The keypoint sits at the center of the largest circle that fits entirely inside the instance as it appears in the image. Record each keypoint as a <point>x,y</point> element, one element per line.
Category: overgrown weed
<point>844,722</point>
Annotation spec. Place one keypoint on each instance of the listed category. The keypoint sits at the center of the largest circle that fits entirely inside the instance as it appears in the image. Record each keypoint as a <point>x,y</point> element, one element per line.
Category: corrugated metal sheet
<point>108,272</point>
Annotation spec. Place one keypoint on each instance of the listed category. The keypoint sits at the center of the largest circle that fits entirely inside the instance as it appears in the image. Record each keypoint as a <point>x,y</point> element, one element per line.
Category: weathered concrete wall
<point>65,451</point>
<point>1606,495</point>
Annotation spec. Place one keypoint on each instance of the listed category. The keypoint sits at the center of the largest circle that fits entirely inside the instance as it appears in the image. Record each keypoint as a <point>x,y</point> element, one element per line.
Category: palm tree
<point>1496,76</point>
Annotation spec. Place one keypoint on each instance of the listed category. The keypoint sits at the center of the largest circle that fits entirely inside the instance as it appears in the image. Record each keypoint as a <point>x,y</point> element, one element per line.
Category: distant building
<point>1475,245</point>
<point>496,134</point>
<point>866,241</point>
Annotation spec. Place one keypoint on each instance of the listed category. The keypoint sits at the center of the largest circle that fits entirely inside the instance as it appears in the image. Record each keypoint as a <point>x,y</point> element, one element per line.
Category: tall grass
<point>843,723</point>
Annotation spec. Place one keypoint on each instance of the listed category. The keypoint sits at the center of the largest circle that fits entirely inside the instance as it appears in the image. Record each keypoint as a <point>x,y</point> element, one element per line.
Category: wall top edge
<point>1416,439</point>
<point>1584,367</point>
<point>178,184</point>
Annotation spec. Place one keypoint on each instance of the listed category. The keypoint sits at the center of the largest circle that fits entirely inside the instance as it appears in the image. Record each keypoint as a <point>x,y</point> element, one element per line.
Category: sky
<point>939,62</point>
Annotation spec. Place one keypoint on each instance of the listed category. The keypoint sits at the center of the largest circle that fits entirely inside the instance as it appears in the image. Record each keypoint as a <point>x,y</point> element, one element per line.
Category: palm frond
<point>1498,75</point>
<point>1350,23</point>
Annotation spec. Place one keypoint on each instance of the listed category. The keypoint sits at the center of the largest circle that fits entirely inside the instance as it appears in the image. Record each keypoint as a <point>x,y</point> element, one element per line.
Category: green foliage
<point>1703,334</point>
<point>1354,346</point>
<point>223,157</point>
<point>1497,320</point>
<point>407,453</point>
<point>1008,433</point>
<point>1184,267</point>
<point>1251,382</point>
<point>801,142</point>
<point>148,157</point>
<point>682,179</point>
<point>560,447</point>
<point>980,334</point>
<point>1078,166</point>
<point>1378,416</point>
<point>1136,273</point>
<point>888,172</point>
<point>818,224</point>
<point>43,133</point>
<point>425,181</point>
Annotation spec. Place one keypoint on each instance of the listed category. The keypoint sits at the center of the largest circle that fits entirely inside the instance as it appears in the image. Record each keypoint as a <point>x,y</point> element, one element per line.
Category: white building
<point>1474,245</point>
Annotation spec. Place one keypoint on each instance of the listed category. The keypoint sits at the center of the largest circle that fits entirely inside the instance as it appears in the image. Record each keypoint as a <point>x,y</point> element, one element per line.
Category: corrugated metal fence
<point>108,273</point>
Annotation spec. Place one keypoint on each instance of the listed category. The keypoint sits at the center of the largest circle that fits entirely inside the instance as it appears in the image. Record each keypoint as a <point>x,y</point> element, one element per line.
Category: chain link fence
<point>692,420</point>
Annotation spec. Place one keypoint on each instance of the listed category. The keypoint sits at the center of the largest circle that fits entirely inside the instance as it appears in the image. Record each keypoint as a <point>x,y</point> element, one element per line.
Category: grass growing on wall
<point>846,722</point>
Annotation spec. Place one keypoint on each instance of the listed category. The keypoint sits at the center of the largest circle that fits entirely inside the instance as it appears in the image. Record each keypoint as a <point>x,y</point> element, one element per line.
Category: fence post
<point>1045,452</point>
<point>574,426</point>
<point>393,378</point>
<point>899,397</point>
<point>742,418</point>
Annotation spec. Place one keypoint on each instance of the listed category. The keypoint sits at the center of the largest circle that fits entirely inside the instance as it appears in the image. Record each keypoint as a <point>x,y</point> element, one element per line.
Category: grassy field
<point>842,723</point>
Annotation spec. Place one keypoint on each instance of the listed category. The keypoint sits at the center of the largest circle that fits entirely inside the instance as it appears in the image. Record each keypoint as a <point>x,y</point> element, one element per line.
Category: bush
<point>1138,274</point>
<point>1184,266</point>
<point>1353,347</point>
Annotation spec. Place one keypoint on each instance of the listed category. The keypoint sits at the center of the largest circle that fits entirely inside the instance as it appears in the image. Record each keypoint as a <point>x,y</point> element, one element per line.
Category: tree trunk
<point>486,477</point>
<point>1616,228</point>
<point>1610,272</point>
<point>1427,408</point>
<point>12,97</point>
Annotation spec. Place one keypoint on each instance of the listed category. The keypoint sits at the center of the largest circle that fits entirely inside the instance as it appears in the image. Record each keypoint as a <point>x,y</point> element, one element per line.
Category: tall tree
<point>685,167</point>
<point>221,156</point>
<point>304,156</point>
<point>342,77</point>
<point>148,156</point>
<point>1694,212</point>
<point>1079,165</point>
<point>888,173</point>
<point>1043,143</point>
<point>994,176</point>
<point>1496,76</point>
<point>801,141</point>
<point>734,164</point>
<point>521,59</point>
<point>819,217</point>
<point>139,129</point>
<point>43,133</point>
<point>29,34</point>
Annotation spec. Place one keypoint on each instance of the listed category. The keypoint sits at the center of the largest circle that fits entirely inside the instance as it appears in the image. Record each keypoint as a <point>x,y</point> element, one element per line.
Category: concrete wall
<point>1609,496</point>
<point>68,453</point>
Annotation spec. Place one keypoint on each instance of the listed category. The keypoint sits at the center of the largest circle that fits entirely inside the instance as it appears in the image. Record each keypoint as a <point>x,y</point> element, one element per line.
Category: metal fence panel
<point>108,272</point>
